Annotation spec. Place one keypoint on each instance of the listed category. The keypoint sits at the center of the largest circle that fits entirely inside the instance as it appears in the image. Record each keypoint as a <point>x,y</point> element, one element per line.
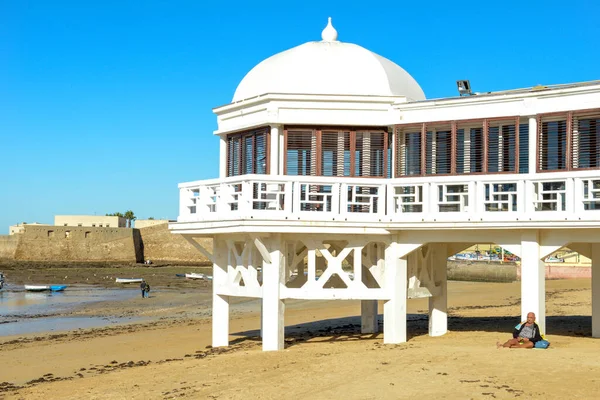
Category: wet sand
<point>326,356</point>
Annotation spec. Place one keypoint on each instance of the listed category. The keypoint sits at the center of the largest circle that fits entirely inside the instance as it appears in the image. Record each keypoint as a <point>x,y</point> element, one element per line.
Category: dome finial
<point>329,34</point>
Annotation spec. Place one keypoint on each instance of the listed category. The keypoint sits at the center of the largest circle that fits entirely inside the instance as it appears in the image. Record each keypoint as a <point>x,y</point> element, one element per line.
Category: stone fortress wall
<point>94,244</point>
<point>160,245</point>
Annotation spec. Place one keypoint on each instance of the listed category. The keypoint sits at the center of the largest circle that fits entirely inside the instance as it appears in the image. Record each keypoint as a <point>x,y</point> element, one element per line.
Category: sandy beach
<point>168,355</point>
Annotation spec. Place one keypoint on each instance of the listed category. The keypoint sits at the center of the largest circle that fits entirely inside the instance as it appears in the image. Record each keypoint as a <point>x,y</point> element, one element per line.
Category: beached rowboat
<point>58,288</point>
<point>36,288</point>
<point>129,280</point>
<point>194,275</point>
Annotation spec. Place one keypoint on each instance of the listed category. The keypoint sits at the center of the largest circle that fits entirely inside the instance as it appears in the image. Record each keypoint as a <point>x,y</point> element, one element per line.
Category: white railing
<point>549,196</point>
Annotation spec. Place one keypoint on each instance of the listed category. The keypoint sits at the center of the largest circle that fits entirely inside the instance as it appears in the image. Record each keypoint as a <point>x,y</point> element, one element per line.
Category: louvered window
<point>335,153</point>
<point>523,148</point>
<point>502,143</point>
<point>301,152</point>
<point>408,151</point>
<point>247,152</point>
<point>438,150</point>
<point>586,141</point>
<point>371,154</point>
<point>552,143</point>
<point>469,148</point>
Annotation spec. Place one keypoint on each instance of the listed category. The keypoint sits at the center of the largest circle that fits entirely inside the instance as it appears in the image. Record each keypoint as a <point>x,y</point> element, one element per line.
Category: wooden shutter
<point>371,154</point>
<point>300,152</point>
<point>247,152</point>
<point>585,140</point>
<point>438,150</point>
<point>552,142</point>
<point>502,150</point>
<point>408,151</point>
<point>234,146</point>
<point>523,148</point>
<point>469,147</point>
<point>335,153</point>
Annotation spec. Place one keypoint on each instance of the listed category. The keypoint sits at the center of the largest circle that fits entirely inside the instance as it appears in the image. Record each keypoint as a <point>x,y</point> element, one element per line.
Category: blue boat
<point>58,288</point>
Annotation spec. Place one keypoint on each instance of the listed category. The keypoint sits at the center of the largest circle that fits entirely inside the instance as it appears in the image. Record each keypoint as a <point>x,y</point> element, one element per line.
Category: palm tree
<point>117,214</point>
<point>130,217</point>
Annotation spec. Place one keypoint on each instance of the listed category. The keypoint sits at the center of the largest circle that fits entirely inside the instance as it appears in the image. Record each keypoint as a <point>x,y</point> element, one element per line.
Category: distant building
<point>99,221</point>
<point>144,223</point>
<point>19,228</point>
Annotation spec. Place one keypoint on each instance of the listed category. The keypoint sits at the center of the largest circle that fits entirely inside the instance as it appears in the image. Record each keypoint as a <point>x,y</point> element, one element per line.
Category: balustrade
<point>531,197</point>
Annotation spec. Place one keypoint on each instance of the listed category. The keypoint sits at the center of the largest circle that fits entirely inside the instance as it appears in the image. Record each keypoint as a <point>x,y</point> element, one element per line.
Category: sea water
<point>24,312</point>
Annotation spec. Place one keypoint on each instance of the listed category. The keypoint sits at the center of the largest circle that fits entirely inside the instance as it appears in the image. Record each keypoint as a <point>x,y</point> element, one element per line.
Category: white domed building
<point>339,179</point>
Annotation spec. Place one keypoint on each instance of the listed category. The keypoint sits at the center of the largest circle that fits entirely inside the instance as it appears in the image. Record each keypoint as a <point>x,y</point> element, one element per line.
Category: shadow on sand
<point>345,329</point>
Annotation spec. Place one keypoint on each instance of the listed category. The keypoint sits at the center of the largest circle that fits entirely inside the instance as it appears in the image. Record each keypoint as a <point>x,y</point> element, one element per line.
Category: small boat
<point>180,275</point>
<point>129,280</point>
<point>195,275</point>
<point>58,288</point>
<point>37,288</point>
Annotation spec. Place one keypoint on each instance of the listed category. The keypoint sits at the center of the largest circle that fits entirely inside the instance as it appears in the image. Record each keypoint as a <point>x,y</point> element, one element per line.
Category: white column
<point>394,309</point>
<point>368,316</point>
<point>595,290</point>
<point>533,162</point>
<point>273,308</point>
<point>223,157</point>
<point>274,149</point>
<point>220,309</point>
<point>533,279</point>
<point>438,304</point>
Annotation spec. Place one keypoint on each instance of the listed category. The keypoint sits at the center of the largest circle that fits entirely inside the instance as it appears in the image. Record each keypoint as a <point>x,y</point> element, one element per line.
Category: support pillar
<point>220,306</point>
<point>438,304</point>
<point>368,316</point>
<point>273,308</point>
<point>223,156</point>
<point>394,309</point>
<point>532,165</point>
<point>595,290</point>
<point>274,151</point>
<point>533,279</point>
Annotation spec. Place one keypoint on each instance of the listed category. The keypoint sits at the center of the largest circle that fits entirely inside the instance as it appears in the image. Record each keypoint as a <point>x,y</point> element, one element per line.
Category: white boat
<point>36,288</point>
<point>129,280</point>
<point>194,275</point>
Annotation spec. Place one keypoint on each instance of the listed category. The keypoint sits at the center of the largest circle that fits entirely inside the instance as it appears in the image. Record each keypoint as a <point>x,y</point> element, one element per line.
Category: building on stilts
<point>339,179</point>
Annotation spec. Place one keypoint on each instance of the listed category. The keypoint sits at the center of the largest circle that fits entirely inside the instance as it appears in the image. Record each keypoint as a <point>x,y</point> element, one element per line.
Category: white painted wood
<point>438,303</point>
<point>274,156</point>
<point>220,308</point>
<point>222,156</point>
<point>596,290</point>
<point>273,307</point>
<point>532,144</point>
<point>533,279</point>
<point>368,316</point>
<point>394,310</point>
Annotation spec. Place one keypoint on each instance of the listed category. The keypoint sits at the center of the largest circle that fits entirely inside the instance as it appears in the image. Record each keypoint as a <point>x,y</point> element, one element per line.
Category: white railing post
<point>521,197</point>
<point>434,193</point>
<point>390,207</point>
<point>337,203</point>
<point>569,195</point>
<point>296,197</point>
<point>287,197</point>
<point>381,197</point>
<point>426,199</point>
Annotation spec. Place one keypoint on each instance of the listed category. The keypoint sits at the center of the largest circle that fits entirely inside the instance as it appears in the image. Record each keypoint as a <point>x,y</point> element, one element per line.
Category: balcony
<point>287,203</point>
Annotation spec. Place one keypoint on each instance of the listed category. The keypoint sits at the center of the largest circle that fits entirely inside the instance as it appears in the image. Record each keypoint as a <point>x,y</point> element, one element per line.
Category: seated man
<point>525,335</point>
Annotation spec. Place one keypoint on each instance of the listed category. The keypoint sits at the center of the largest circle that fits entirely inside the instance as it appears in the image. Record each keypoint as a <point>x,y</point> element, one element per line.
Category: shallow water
<point>29,312</point>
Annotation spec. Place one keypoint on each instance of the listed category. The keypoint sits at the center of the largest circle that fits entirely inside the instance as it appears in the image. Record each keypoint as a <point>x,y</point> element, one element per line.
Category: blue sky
<point>106,105</point>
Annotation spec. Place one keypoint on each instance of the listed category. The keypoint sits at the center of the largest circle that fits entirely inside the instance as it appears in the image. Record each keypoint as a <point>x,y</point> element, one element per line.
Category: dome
<point>328,67</point>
